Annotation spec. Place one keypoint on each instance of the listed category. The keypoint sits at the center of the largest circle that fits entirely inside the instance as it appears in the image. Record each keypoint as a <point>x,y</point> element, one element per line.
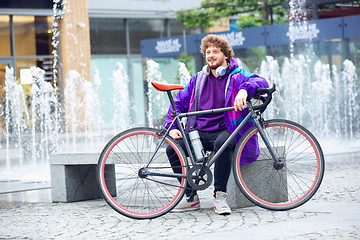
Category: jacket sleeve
<point>182,101</point>
<point>250,84</point>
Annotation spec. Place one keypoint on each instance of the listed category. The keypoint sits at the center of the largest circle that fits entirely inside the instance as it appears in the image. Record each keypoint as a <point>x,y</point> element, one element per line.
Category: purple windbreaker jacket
<point>237,79</point>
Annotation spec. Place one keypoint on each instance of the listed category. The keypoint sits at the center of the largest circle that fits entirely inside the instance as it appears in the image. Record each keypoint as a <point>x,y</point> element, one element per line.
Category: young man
<point>220,84</point>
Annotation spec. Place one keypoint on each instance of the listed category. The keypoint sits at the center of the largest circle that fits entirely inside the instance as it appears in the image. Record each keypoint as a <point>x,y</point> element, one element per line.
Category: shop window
<point>140,29</point>
<point>43,35</point>
<point>107,36</point>
<point>177,28</point>
<point>2,92</point>
<point>32,35</point>
<point>43,63</point>
<point>38,4</point>
<point>354,48</point>
<point>25,41</point>
<point>5,49</point>
<point>250,57</point>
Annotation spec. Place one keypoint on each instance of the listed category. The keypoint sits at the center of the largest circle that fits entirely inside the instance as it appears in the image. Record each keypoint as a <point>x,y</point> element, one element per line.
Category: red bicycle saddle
<point>165,86</point>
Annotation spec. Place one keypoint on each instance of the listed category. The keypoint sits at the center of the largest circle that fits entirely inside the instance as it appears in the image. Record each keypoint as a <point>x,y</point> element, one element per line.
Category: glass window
<point>44,63</point>
<point>168,67</point>
<point>354,45</point>
<point>330,52</point>
<point>2,104</point>
<point>138,93</point>
<point>140,29</point>
<point>251,57</point>
<point>25,41</point>
<point>279,52</point>
<point>32,35</point>
<point>177,28</point>
<point>38,4</point>
<point>5,47</point>
<point>106,67</point>
<point>43,35</point>
<point>24,63</point>
<point>107,36</point>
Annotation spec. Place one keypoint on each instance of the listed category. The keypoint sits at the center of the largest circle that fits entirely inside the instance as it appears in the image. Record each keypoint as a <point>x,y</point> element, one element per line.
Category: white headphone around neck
<point>220,71</point>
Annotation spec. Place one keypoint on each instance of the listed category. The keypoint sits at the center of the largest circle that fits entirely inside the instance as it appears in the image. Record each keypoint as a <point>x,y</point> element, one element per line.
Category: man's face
<point>215,57</point>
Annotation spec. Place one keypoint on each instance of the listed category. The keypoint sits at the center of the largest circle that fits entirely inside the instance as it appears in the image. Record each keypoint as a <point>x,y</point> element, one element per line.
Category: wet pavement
<point>26,212</point>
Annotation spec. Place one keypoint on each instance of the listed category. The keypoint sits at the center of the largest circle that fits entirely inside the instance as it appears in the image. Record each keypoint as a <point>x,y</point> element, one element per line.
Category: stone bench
<point>236,199</point>
<point>73,178</point>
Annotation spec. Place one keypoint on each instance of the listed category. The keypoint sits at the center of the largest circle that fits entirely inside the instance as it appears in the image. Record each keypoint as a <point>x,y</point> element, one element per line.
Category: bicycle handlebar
<point>258,94</point>
<point>265,99</point>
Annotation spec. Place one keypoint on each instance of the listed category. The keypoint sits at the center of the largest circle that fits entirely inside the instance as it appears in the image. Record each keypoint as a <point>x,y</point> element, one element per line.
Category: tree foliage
<point>249,13</point>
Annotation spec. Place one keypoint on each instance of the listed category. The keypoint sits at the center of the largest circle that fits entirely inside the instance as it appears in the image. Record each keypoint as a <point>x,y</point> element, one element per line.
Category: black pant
<point>211,141</point>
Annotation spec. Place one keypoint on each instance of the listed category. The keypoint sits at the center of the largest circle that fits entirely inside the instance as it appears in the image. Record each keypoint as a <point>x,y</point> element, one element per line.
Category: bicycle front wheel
<point>120,174</point>
<point>279,186</point>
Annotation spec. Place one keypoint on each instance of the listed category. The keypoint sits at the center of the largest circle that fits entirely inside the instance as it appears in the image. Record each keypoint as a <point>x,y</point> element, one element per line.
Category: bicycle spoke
<point>280,187</point>
<point>138,195</point>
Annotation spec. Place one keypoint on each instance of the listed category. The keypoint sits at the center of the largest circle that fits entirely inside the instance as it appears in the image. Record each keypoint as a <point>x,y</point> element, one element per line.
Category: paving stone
<point>337,201</point>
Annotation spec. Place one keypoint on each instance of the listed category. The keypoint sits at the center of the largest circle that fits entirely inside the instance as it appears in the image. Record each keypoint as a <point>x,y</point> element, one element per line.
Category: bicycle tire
<point>123,187</point>
<point>290,186</point>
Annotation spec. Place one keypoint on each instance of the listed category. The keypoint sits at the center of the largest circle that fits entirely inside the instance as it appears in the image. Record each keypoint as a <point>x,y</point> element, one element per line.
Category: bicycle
<point>137,180</point>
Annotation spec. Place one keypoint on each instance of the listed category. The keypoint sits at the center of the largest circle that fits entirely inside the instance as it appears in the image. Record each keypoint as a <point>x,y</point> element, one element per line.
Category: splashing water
<point>89,114</point>
<point>97,106</point>
<point>121,99</point>
<point>71,104</point>
<point>57,15</point>
<point>270,71</point>
<point>79,107</point>
<point>43,117</point>
<point>309,96</point>
<point>351,106</point>
<point>31,134</point>
<point>14,112</point>
<point>184,74</point>
<point>298,25</point>
<point>152,73</point>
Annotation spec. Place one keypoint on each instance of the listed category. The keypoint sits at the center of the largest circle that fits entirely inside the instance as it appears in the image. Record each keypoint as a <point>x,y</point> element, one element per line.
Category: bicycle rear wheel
<point>274,187</point>
<point>125,188</point>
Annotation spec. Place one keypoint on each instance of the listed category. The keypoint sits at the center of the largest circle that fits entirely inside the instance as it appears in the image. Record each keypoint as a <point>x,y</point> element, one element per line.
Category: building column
<point>75,50</point>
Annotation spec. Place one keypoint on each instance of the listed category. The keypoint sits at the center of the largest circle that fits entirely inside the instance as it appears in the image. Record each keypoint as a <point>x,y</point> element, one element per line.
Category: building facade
<point>115,31</point>
<point>98,35</point>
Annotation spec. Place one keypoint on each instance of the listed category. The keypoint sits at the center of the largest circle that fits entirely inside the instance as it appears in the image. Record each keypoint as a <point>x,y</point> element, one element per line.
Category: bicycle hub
<point>278,165</point>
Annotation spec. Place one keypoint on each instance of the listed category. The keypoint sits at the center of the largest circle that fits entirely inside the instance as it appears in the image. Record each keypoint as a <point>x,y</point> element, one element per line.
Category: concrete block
<point>73,178</point>
<point>72,182</point>
<point>236,199</point>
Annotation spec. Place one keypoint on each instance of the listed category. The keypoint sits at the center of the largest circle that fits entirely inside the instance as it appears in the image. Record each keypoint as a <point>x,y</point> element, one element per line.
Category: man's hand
<point>175,134</point>
<point>240,100</point>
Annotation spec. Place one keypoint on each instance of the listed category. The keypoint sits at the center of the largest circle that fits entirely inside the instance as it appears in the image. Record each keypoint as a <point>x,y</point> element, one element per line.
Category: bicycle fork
<point>277,163</point>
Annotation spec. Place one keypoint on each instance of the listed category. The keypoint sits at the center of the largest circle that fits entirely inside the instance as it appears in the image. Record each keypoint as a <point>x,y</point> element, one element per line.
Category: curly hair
<point>217,41</point>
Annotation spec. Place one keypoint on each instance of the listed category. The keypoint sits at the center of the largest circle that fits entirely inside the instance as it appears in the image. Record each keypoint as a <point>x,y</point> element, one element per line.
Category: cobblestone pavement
<point>333,213</point>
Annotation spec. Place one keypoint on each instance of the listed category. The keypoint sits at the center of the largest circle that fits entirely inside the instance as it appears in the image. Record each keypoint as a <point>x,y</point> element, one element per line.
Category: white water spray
<point>43,116</point>
<point>97,104</point>
<point>309,96</point>
<point>121,99</point>
<point>14,112</point>
<point>155,101</point>
<point>184,74</point>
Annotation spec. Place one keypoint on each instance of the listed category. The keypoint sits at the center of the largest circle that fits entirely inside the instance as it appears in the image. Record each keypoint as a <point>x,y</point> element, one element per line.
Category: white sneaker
<point>184,205</point>
<point>220,204</point>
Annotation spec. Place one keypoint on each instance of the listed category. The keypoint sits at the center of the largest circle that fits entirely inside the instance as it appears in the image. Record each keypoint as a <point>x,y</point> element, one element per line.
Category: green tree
<point>250,13</point>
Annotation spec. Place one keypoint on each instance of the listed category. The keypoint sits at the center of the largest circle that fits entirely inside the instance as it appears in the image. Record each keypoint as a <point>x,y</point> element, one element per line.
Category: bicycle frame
<point>177,118</point>
<point>140,177</point>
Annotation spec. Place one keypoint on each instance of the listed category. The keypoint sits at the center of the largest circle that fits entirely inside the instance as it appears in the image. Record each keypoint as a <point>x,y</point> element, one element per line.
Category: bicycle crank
<point>197,180</point>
